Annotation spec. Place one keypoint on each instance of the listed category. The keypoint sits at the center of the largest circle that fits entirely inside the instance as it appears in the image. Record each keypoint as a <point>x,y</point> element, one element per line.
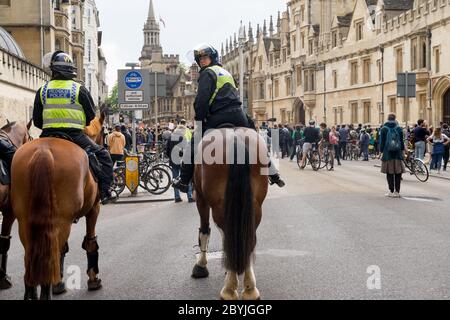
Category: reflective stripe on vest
<point>61,106</point>
<point>223,77</point>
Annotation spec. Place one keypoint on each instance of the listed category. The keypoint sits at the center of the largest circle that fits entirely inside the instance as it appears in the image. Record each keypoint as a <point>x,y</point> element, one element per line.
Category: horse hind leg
<point>46,292</point>
<point>200,270</point>
<point>91,246</point>
<point>250,291</point>
<point>230,290</point>
<point>60,287</point>
<point>5,241</point>
<point>30,293</point>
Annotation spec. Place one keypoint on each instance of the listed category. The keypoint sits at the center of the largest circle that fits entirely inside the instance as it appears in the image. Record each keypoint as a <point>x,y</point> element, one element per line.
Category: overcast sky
<point>188,23</point>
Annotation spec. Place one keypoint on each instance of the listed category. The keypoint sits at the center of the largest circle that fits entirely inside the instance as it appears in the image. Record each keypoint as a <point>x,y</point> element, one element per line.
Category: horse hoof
<point>227,295</point>
<point>95,284</point>
<point>59,288</point>
<point>251,295</point>
<point>5,282</point>
<point>200,272</point>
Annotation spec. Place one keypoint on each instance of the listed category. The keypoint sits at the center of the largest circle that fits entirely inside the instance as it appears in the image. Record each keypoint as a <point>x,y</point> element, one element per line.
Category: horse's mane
<point>8,125</point>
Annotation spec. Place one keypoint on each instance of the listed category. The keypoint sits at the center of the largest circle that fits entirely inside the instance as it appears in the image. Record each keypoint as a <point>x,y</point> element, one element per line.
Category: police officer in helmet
<point>217,103</point>
<point>63,106</point>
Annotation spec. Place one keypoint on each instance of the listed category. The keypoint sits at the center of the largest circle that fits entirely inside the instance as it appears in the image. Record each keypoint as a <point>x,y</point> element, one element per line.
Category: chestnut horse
<point>17,134</point>
<point>235,192</point>
<point>52,186</point>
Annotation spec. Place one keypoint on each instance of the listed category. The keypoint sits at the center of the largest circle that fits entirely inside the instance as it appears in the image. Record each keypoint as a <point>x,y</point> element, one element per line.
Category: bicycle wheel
<point>119,180</point>
<point>420,170</point>
<point>324,161</point>
<point>314,160</point>
<point>157,181</point>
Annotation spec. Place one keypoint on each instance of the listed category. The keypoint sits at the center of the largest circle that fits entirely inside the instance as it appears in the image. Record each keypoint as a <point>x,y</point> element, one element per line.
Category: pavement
<point>326,235</point>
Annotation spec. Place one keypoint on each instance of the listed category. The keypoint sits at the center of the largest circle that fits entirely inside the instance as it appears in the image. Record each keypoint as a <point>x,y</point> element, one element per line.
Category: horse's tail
<point>42,256</point>
<point>239,227</point>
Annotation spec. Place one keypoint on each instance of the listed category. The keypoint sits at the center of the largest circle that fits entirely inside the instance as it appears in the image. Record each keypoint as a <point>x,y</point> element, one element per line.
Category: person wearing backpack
<point>392,148</point>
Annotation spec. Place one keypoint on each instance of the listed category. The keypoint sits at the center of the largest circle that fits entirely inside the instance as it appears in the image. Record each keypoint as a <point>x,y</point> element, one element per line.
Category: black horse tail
<point>239,221</point>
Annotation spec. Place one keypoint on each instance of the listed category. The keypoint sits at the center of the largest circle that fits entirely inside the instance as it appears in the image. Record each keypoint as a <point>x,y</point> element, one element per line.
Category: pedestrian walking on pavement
<point>392,148</point>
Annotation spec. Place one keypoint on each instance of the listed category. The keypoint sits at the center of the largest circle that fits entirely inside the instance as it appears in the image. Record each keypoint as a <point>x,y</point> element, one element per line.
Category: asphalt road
<point>318,237</point>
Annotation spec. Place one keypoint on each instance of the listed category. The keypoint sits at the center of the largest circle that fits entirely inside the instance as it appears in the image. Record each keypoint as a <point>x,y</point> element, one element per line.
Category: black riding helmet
<point>63,64</point>
<point>206,50</point>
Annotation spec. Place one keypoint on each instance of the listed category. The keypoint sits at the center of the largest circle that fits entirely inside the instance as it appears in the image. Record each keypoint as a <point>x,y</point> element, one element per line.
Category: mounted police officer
<point>217,103</point>
<point>63,107</point>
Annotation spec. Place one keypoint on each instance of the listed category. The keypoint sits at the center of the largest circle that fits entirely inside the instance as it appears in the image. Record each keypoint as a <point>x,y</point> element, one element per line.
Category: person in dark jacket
<point>392,161</point>
<point>64,106</point>
<point>446,131</point>
<point>312,135</point>
<point>128,138</point>
<point>217,103</point>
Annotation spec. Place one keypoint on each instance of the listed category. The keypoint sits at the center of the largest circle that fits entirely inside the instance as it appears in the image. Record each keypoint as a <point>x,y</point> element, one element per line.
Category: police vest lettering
<point>62,108</point>
<point>223,77</point>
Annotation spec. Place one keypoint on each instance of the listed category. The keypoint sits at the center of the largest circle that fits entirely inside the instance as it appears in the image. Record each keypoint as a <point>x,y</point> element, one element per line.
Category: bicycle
<point>154,177</point>
<point>327,158</point>
<point>416,167</point>
<point>312,157</point>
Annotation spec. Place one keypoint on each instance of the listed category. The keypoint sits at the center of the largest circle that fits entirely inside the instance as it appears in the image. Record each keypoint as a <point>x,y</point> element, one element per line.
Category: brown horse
<point>235,192</point>
<point>17,134</point>
<point>52,186</point>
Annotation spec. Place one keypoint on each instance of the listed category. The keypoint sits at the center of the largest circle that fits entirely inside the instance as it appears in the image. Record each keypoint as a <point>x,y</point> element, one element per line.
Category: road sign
<point>132,173</point>
<point>134,106</point>
<point>134,89</point>
<point>134,96</point>
<point>406,80</point>
<point>133,79</point>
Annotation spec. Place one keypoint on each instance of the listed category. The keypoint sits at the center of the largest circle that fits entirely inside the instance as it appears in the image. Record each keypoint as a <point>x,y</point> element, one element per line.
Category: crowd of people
<point>390,142</point>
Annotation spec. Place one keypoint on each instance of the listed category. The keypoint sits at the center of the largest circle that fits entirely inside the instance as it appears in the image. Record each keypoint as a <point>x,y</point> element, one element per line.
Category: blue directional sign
<point>133,80</point>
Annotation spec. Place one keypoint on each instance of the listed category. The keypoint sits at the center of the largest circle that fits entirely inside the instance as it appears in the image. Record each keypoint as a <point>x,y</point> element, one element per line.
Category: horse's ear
<point>7,121</point>
<point>29,124</point>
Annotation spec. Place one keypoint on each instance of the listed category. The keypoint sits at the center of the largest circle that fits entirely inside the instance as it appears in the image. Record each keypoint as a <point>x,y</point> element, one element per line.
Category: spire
<point>222,52</point>
<point>279,23</point>
<point>231,43</point>
<point>271,29</point>
<point>151,12</point>
<point>287,11</point>
<point>235,41</point>
<point>226,47</point>
<point>265,29</point>
<point>258,31</point>
<point>250,32</point>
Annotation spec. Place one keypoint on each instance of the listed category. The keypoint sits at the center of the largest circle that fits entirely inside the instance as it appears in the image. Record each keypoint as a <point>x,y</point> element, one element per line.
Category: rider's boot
<point>182,182</point>
<point>7,150</point>
<point>106,178</point>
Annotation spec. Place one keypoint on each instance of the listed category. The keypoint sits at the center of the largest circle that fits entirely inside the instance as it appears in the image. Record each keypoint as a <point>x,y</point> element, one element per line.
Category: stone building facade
<point>40,27</point>
<point>180,84</point>
<point>337,61</point>
<point>19,81</point>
